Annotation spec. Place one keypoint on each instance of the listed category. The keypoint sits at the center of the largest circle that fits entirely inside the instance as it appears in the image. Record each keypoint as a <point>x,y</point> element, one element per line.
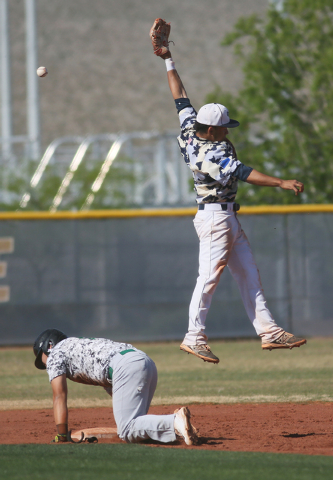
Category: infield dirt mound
<point>270,427</point>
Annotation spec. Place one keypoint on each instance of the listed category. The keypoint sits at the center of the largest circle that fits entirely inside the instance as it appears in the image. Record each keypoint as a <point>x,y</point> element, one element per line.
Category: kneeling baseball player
<point>216,170</point>
<point>126,373</point>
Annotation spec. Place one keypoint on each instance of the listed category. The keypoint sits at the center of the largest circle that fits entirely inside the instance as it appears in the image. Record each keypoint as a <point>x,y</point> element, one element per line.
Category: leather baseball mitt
<point>159,35</point>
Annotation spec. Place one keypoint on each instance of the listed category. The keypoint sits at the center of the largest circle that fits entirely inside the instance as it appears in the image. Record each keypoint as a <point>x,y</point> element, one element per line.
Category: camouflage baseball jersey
<point>84,360</point>
<point>213,164</point>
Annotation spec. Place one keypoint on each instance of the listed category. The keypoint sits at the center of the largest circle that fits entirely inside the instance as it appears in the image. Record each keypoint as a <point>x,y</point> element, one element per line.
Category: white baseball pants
<point>134,382</point>
<point>223,242</point>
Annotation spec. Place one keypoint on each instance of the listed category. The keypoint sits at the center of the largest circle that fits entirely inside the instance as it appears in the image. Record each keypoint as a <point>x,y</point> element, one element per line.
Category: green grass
<point>245,372</point>
<point>141,462</point>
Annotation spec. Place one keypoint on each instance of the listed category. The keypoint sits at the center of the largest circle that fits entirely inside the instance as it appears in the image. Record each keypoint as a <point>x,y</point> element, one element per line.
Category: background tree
<point>116,191</point>
<point>286,104</point>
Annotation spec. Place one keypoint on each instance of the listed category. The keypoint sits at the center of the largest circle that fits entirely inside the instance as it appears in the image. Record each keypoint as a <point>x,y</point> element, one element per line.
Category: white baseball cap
<point>216,115</point>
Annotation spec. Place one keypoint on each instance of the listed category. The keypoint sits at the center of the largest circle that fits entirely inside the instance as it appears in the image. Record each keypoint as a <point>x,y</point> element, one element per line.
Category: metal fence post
<point>160,180</point>
<point>6,95</point>
<point>32,81</point>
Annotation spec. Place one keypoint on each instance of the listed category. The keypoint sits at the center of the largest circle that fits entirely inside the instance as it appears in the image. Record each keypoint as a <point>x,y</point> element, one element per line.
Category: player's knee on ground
<point>129,434</point>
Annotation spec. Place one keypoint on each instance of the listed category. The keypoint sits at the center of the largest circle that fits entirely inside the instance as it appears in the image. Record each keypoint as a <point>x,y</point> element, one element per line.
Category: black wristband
<point>61,438</point>
<point>62,429</point>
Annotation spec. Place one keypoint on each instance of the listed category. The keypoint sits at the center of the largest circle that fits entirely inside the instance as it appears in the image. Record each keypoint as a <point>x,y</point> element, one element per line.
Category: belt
<point>110,371</point>
<point>218,206</point>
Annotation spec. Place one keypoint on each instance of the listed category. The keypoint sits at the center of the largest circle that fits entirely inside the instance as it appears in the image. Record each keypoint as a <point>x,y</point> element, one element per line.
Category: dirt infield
<point>267,427</point>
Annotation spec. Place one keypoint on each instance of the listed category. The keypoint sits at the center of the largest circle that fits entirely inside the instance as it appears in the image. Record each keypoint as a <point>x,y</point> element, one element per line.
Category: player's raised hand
<point>159,35</point>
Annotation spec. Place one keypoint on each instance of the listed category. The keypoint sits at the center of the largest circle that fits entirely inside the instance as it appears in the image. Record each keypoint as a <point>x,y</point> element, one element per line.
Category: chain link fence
<point>132,278</point>
<point>99,171</point>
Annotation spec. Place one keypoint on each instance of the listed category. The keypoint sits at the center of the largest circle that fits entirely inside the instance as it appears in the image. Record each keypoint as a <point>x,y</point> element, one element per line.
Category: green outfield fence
<point>129,274</point>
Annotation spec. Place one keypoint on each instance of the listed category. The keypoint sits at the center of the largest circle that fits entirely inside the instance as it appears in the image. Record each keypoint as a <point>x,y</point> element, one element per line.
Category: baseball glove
<point>159,35</point>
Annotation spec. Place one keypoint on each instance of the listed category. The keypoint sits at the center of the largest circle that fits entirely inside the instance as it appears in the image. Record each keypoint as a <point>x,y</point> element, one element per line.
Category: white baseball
<point>42,71</point>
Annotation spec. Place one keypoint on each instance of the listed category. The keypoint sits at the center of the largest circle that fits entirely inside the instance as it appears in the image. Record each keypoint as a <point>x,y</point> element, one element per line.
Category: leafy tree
<point>285,106</point>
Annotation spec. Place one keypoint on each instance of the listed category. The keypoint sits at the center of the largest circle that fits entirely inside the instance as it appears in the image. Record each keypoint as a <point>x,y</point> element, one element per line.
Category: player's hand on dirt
<point>67,437</point>
<point>295,185</point>
<point>60,438</point>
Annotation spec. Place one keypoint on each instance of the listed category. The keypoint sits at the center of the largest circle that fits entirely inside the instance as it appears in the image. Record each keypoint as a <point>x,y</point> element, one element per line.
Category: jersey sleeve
<point>55,366</point>
<point>182,103</point>
<point>187,114</point>
<point>242,172</point>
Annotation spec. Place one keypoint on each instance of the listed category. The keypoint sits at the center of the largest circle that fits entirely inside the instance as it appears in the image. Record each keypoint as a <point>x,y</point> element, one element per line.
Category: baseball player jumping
<point>126,373</point>
<point>216,170</point>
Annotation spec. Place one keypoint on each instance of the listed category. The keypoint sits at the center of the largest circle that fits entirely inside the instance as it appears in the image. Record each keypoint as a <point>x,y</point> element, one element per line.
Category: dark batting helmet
<point>51,337</point>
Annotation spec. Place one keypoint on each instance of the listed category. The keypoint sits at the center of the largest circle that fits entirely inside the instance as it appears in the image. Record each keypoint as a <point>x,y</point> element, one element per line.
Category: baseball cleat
<point>286,340</point>
<point>202,351</point>
<point>183,426</point>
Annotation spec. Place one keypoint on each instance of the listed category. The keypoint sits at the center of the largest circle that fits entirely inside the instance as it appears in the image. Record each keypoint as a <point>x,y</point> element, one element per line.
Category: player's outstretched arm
<point>258,178</point>
<point>176,85</point>
<point>159,35</point>
<point>60,410</point>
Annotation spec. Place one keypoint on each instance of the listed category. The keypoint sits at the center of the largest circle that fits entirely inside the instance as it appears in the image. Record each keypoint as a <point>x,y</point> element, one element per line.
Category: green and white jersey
<point>84,360</point>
